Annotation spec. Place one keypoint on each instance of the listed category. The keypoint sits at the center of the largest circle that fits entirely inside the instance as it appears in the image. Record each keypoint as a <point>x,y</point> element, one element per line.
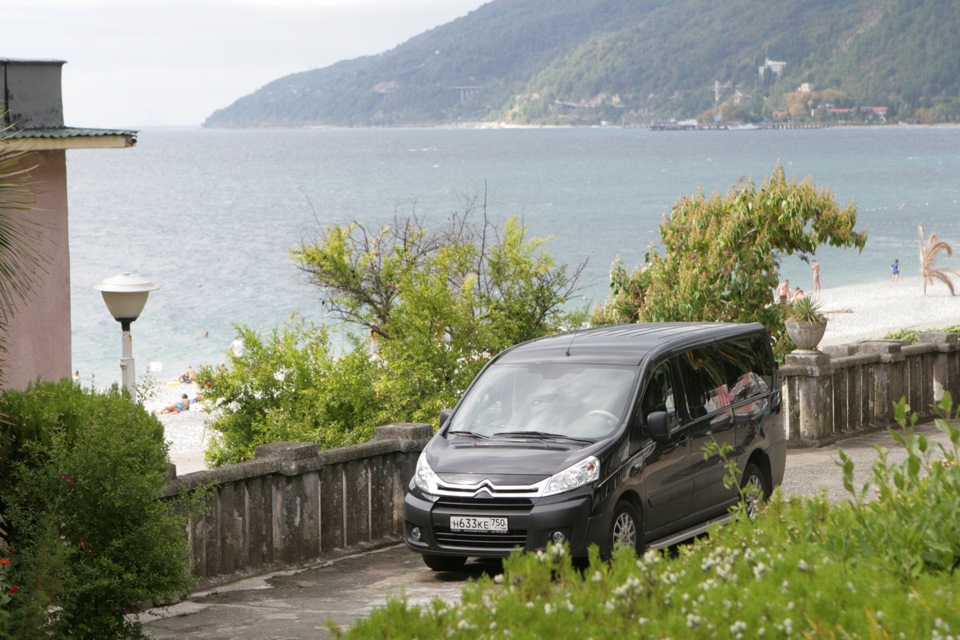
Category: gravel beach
<point>855,313</point>
<point>870,311</point>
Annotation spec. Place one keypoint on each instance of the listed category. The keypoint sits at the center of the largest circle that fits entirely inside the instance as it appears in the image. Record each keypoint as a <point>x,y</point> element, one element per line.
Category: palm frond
<point>929,248</point>
<point>21,254</point>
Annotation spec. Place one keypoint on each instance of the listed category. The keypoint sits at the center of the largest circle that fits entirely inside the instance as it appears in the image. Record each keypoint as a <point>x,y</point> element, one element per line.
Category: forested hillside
<point>630,61</point>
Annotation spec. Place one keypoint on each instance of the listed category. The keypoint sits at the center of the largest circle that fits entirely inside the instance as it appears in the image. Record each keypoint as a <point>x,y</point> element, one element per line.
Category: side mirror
<point>658,424</point>
<point>444,416</point>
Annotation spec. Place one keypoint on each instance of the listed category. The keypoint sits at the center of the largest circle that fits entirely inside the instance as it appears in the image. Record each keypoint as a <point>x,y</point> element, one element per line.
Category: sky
<point>136,63</point>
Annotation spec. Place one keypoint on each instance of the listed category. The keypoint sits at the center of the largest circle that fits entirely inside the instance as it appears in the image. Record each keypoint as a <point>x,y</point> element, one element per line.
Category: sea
<point>211,216</point>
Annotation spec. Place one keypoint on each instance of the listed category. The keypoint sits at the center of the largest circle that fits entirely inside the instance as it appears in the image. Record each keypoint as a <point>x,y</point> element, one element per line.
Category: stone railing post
<point>809,390</point>
<point>888,379</point>
<point>945,364</point>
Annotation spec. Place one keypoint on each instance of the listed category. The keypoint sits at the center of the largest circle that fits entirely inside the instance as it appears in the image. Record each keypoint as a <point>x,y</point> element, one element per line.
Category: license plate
<point>470,523</point>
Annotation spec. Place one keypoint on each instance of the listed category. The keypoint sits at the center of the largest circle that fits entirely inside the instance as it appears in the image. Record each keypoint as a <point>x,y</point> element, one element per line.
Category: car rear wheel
<point>755,488</point>
<point>625,529</point>
<point>444,563</point>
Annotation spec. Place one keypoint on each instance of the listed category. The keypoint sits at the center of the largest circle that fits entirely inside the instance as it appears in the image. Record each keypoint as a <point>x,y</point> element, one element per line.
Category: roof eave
<point>67,138</point>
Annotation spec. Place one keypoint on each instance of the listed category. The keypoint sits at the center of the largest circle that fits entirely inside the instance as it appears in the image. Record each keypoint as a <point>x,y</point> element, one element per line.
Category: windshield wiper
<point>541,435</point>
<point>470,434</point>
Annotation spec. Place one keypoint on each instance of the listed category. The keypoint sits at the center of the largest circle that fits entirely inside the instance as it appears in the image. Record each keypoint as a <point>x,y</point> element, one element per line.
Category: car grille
<point>481,540</point>
<point>514,508</point>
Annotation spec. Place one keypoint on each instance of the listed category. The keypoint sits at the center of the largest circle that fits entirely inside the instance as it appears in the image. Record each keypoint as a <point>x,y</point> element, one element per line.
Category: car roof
<point>627,344</point>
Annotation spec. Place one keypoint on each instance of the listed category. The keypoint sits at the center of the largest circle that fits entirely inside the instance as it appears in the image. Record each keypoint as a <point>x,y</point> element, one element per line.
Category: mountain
<point>629,61</point>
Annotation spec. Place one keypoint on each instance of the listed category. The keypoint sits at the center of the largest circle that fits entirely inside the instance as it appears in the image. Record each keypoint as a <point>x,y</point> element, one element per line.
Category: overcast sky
<point>134,63</point>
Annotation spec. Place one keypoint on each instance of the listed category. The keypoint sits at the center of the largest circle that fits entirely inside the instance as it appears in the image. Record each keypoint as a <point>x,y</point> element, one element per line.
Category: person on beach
<point>895,268</point>
<point>815,266</point>
<point>181,405</point>
<point>236,347</point>
<point>190,375</point>
<point>783,292</point>
<point>798,294</point>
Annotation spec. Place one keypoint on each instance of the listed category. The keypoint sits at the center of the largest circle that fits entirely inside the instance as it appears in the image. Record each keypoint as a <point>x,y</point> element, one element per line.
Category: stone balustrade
<point>293,503</point>
<point>847,389</point>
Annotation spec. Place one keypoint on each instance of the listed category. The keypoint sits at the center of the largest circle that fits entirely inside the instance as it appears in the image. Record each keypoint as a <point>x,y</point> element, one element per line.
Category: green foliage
<point>82,477</point>
<point>806,309</point>
<point>430,306</point>
<point>914,334</point>
<point>587,61</point>
<point>438,303</point>
<point>289,387</point>
<point>890,562</point>
<point>721,256</point>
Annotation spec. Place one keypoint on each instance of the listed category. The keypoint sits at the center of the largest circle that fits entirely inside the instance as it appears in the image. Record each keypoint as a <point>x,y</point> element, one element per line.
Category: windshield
<point>542,400</point>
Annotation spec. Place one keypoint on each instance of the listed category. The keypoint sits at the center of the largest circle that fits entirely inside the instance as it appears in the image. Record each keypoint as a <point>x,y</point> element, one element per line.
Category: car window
<point>658,395</point>
<point>704,384</point>
<point>586,401</point>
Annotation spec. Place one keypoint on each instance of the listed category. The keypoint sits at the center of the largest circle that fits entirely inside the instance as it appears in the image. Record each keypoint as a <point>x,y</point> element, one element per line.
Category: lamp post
<point>125,296</point>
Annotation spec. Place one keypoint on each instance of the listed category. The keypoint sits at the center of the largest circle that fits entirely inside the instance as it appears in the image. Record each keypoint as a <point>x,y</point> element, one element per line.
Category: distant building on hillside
<point>31,107</point>
<point>775,68</point>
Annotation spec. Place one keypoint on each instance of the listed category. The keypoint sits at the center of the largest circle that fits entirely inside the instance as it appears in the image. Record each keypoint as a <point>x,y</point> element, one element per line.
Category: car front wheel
<point>755,488</point>
<point>625,529</point>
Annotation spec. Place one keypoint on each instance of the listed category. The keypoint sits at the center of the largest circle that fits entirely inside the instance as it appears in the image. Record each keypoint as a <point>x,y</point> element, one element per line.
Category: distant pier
<point>693,125</point>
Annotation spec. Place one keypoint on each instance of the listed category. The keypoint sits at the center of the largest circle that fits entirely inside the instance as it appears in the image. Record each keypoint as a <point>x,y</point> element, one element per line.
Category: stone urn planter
<point>806,335</point>
<point>805,324</point>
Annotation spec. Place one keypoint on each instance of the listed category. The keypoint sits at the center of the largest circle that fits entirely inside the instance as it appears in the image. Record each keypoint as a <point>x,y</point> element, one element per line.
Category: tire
<point>626,528</point>
<point>754,477</point>
<point>444,563</point>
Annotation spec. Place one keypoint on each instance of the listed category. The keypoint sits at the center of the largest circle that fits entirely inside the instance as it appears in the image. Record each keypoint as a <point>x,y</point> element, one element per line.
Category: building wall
<point>38,335</point>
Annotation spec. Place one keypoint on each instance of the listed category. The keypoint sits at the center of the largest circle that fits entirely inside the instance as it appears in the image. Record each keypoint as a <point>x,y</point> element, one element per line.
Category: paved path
<point>297,604</point>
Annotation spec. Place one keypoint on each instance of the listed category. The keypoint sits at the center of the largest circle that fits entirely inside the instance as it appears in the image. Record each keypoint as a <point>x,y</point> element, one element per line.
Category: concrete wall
<point>853,388</point>
<point>293,504</point>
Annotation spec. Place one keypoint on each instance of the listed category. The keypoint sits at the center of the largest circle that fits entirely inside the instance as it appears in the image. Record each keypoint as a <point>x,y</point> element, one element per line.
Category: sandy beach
<point>870,311</point>
<point>855,313</point>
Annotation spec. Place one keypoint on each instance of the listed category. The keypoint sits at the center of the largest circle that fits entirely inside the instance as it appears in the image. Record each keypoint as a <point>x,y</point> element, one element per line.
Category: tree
<point>721,256</point>
<point>929,249</point>
<point>437,304</point>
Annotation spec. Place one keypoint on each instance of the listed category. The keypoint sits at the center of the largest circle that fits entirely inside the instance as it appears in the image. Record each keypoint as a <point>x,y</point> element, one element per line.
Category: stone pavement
<point>298,604</point>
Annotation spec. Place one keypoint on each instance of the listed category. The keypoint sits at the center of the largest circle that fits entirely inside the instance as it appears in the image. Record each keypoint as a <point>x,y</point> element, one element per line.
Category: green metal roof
<point>68,132</point>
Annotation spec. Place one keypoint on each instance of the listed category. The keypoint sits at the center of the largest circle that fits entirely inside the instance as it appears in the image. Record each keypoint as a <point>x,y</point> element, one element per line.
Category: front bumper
<point>531,526</point>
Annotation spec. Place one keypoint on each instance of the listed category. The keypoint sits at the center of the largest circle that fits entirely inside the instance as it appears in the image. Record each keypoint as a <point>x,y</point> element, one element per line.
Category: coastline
<point>871,311</point>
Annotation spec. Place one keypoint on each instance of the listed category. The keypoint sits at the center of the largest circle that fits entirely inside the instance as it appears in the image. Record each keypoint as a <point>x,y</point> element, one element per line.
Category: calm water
<point>210,216</point>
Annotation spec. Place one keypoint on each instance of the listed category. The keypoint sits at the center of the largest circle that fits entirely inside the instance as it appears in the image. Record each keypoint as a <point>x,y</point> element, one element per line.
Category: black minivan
<point>597,437</point>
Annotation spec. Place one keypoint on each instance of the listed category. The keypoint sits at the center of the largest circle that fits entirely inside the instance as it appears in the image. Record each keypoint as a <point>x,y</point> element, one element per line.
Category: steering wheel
<point>600,412</point>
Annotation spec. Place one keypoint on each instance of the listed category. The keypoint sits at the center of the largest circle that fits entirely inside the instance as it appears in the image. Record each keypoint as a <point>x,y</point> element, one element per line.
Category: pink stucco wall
<point>38,336</point>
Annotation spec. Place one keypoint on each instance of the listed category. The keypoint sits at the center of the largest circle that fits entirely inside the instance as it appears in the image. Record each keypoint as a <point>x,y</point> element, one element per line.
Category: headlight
<point>425,479</point>
<point>584,472</point>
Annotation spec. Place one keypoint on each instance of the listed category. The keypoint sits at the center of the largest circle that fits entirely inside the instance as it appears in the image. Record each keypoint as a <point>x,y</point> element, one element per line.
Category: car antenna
<point>576,331</point>
<point>572,338</point>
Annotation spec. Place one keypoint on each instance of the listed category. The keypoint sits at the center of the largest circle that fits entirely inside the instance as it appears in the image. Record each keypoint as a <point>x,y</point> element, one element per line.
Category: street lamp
<point>126,296</point>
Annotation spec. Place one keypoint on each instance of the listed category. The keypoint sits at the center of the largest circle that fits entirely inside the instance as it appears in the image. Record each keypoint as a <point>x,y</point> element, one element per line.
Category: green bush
<point>804,568</point>
<point>914,334</point>
<point>430,308</point>
<point>720,256</point>
<point>289,387</point>
<point>82,477</point>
